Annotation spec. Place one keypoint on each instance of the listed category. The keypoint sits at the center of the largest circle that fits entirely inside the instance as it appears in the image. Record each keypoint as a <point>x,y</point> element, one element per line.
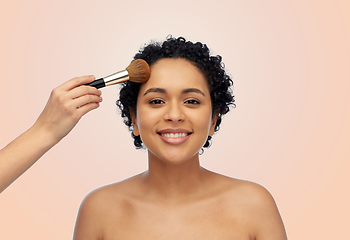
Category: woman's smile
<point>174,136</point>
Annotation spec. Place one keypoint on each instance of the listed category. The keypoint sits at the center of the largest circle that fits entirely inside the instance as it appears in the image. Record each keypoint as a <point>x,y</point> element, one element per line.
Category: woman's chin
<point>173,157</point>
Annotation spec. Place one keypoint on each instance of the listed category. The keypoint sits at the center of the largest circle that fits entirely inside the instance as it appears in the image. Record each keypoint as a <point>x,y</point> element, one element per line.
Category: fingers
<point>83,95</point>
<point>83,90</point>
<point>64,102</point>
<point>87,108</point>
<point>71,92</point>
<point>85,100</point>
<point>67,104</point>
<point>75,82</point>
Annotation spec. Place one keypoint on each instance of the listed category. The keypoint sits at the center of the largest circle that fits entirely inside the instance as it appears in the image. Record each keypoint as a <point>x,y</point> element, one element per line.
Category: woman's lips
<point>174,141</point>
<point>174,136</point>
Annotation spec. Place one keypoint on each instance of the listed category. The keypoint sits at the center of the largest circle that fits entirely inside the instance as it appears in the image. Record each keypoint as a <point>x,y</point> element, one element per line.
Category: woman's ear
<point>212,125</point>
<point>135,128</point>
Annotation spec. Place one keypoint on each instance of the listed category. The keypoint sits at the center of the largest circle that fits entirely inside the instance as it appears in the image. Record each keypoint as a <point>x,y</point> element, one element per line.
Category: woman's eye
<point>156,101</point>
<point>192,101</point>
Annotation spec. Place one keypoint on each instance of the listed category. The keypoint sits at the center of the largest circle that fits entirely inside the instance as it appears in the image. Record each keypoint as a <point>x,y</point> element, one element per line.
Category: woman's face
<point>174,113</point>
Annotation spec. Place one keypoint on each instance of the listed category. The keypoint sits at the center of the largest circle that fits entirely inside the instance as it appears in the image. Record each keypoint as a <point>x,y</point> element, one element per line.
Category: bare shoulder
<point>254,205</point>
<point>100,206</point>
<point>243,189</point>
<point>252,193</point>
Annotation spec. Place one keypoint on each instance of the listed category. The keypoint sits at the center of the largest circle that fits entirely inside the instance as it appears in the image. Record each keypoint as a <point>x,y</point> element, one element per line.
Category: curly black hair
<point>197,53</point>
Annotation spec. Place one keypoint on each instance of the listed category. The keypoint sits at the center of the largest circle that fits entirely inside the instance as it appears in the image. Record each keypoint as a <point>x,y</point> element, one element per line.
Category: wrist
<point>44,135</point>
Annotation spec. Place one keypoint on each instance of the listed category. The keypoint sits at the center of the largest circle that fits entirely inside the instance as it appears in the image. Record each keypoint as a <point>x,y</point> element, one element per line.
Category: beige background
<point>290,132</point>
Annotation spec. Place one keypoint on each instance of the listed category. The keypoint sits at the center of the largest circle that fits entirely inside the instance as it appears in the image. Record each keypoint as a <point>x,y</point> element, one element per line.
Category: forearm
<point>22,153</point>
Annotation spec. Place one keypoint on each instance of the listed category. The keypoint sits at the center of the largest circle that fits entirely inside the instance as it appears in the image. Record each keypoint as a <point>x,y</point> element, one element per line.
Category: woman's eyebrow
<point>162,90</point>
<point>195,90</point>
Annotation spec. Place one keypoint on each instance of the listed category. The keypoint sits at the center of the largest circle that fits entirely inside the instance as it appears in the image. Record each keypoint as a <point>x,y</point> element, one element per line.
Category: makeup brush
<point>138,71</point>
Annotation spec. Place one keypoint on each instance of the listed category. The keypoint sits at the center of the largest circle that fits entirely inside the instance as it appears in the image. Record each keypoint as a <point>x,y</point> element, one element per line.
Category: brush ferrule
<point>117,77</point>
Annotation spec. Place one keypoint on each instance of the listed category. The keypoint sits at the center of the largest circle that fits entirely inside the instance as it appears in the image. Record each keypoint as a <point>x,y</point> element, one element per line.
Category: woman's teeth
<point>174,135</point>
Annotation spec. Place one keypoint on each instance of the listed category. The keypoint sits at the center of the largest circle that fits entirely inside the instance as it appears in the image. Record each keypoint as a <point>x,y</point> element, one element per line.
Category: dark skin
<point>176,198</point>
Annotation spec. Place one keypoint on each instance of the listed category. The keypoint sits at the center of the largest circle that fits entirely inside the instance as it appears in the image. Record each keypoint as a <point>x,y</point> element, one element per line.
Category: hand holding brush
<point>66,105</point>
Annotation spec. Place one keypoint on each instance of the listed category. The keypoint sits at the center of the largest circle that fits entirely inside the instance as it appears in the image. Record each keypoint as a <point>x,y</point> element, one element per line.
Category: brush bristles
<point>139,71</point>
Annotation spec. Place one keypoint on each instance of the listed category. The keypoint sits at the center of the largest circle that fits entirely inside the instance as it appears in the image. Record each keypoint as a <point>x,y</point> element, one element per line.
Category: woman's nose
<point>174,113</point>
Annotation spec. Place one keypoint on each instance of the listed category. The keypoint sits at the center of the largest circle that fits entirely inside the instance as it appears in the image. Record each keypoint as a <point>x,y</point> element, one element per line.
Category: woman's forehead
<point>175,73</point>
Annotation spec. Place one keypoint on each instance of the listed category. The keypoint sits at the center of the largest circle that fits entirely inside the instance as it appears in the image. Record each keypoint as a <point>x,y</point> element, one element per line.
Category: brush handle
<point>98,83</point>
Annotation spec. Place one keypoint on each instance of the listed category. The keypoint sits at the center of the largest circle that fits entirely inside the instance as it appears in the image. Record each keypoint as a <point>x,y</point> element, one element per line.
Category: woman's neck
<point>174,182</point>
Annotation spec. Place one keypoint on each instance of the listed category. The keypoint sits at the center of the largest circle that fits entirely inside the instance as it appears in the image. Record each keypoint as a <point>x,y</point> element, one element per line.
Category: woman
<point>173,116</point>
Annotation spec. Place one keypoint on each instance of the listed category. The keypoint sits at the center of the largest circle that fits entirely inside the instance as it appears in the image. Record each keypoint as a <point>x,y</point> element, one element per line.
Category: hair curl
<point>197,53</point>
